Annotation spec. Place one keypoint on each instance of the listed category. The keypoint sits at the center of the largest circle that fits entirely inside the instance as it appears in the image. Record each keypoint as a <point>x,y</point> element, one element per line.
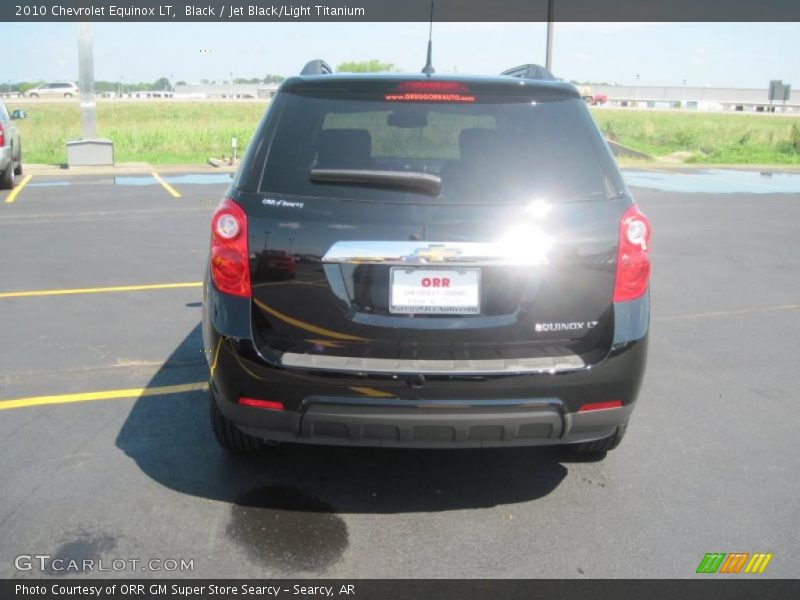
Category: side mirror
<point>19,114</point>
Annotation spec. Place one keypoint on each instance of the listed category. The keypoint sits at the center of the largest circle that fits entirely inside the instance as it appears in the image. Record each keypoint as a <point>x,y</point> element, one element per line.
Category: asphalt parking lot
<point>106,451</point>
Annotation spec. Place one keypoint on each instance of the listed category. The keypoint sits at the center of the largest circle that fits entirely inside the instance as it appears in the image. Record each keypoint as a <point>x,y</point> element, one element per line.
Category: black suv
<point>426,261</point>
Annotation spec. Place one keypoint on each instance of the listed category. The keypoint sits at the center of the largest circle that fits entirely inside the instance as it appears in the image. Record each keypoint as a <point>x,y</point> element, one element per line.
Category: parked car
<point>485,270</point>
<point>10,146</point>
<point>62,89</point>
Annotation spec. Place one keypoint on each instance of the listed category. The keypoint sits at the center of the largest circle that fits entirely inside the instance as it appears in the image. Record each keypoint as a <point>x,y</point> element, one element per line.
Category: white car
<point>62,89</point>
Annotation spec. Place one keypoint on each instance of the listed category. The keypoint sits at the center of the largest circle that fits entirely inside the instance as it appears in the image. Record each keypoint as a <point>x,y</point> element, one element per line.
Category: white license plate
<point>435,291</point>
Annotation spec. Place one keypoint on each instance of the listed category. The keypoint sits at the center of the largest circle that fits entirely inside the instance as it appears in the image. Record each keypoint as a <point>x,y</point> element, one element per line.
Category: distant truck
<point>588,95</point>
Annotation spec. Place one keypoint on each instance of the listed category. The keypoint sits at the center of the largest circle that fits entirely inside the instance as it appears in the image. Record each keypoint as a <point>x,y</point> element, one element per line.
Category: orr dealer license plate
<point>435,291</point>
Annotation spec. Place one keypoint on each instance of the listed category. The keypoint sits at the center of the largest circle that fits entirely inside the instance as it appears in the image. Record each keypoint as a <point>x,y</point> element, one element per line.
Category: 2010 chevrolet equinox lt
<point>426,261</point>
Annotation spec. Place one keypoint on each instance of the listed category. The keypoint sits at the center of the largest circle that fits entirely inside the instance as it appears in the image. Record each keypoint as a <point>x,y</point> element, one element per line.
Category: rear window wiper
<point>408,180</point>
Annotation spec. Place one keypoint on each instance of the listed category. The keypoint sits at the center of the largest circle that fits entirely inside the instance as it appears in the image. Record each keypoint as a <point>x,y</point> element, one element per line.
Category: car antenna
<point>428,68</point>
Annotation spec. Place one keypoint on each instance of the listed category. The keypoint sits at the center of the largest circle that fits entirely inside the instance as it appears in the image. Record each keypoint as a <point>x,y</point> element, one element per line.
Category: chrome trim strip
<point>432,253</point>
<point>546,364</point>
<point>441,323</point>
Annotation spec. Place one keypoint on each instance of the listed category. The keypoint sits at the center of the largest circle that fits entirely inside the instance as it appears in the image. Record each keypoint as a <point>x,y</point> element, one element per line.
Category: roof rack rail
<point>317,67</point>
<point>530,71</point>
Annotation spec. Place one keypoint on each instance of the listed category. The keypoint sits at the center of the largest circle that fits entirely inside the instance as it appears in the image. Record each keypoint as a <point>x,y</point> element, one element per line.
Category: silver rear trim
<point>437,253</point>
<point>544,364</point>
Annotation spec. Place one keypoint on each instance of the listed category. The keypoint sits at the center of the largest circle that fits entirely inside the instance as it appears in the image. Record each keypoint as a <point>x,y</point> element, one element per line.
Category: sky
<point>704,54</point>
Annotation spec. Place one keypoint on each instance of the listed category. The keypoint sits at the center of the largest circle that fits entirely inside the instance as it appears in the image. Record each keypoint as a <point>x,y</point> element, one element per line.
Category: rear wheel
<point>602,446</point>
<point>33,96</point>
<point>7,180</point>
<point>230,437</point>
<point>18,168</point>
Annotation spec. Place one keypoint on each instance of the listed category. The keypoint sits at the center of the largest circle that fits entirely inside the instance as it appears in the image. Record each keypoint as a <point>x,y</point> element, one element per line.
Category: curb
<point>122,169</point>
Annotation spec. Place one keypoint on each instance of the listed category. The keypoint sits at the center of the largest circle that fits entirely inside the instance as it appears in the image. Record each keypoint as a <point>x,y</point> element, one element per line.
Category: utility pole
<point>684,94</point>
<point>89,150</point>
<point>549,52</point>
<point>86,72</point>
<point>637,90</point>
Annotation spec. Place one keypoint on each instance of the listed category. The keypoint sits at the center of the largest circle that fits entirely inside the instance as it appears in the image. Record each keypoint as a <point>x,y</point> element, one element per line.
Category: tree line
<point>160,84</point>
<point>165,84</point>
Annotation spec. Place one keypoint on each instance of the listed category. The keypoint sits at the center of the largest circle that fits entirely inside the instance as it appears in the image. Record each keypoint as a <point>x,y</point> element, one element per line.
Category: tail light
<point>633,261</point>
<point>230,268</point>
<point>600,405</point>
<point>2,135</point>
<point>268,404</point>
<point>427,85</point>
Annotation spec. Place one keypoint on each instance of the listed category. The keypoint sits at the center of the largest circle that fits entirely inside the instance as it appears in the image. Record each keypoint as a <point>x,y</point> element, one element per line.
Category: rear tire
<point>18,168</point>
<point>7,180</point>
<point>230,437</point>
<point>33,95</point>
<point>599,447</point>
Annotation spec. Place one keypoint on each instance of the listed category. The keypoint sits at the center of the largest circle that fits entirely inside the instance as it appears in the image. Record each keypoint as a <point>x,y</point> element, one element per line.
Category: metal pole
<point>86,74</point>
<point>637,90</point>
<point>684,94</point>
<point>549,54</point>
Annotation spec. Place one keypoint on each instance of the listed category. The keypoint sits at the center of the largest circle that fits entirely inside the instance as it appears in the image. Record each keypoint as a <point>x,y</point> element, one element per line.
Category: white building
<point>226,90</point>
<point>695,98</point>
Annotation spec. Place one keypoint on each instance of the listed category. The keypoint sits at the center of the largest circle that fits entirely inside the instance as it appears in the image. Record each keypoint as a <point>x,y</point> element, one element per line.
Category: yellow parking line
<point>15,192</point>
<point>100,290</point>
<point>106,395</point>
<point>166,186</point>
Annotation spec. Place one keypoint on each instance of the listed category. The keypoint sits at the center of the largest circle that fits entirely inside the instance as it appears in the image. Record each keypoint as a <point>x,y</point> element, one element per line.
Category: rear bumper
<point>437,410</point>
<point>394,423</point>
<point>434,412</point>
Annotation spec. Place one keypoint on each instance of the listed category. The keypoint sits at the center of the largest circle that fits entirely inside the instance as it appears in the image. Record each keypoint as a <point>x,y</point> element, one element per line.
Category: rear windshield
<point>496,149</point>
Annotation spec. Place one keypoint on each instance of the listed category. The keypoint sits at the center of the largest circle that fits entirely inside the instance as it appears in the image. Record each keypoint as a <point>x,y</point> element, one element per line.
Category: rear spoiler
<point>530,71</point>
<point>317,67</point>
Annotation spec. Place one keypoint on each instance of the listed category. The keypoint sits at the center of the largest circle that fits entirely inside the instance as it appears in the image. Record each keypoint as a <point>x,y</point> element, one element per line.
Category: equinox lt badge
<point>572,326</point>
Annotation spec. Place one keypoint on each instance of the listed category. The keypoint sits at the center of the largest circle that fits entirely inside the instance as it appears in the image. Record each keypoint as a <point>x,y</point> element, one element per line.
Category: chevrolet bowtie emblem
<point>434,253</point>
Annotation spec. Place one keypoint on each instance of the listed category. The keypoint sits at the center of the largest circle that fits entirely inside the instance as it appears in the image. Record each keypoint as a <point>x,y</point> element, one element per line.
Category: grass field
<point>154,132</point>
<point>710,138</point>
<point>191,132</point>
